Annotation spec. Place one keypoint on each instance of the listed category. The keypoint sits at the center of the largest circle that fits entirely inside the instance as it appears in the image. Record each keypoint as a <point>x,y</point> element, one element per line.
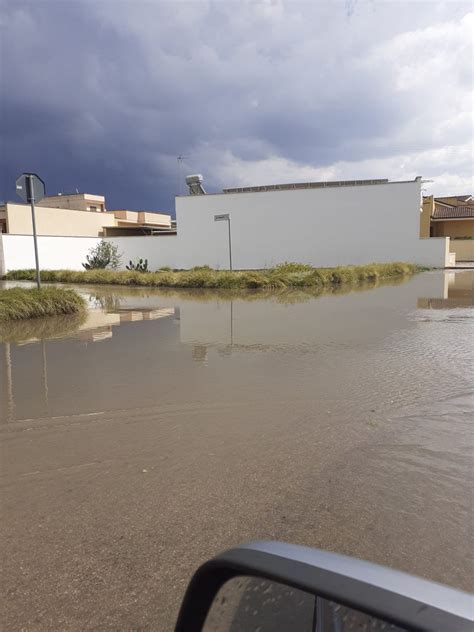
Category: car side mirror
<point>273,586</point>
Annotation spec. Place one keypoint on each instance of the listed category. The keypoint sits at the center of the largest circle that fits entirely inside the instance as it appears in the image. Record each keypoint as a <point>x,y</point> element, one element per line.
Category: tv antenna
<point>179,160</point>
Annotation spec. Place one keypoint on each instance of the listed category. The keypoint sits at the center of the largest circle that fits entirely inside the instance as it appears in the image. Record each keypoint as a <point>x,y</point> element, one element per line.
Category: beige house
<point>80,215</point>
<point>452,217</point>
<point>75,201</point>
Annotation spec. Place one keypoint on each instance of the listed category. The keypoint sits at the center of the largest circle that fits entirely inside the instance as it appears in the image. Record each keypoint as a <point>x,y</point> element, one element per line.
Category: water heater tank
<point>194,183</point>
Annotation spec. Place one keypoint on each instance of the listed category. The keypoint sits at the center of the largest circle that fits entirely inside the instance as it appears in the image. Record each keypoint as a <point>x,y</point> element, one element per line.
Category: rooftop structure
<point>455,200</point>
<point>194,183</point>
<point>305,185</point>
<point>442,211</point>
<point>138,223</point>
<point>75,201</point>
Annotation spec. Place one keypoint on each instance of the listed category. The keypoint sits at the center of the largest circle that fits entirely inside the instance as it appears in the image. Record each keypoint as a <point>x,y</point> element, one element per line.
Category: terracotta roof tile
<point>456,212</point>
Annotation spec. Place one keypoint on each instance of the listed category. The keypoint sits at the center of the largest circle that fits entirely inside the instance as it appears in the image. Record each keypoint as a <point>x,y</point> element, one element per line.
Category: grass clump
<point>285,275</point>
<point>291,266</point>
<point>22,303</point>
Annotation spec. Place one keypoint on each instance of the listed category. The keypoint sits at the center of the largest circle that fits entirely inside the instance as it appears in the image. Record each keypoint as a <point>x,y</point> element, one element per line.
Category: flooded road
<point>165,427</point>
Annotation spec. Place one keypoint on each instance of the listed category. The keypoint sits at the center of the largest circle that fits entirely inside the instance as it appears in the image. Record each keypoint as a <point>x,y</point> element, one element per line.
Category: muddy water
<point>167,426</point>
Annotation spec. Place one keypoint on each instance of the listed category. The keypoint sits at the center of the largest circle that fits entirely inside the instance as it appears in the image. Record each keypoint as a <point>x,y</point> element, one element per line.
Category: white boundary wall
<point>69,253</point>
<point>55,253</point>
<point>323,227</point>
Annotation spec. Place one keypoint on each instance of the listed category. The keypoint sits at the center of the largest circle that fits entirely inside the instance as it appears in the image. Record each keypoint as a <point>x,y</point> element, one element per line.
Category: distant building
<point>75,201</point>
<point>80,215</point>
<point>453,217</point>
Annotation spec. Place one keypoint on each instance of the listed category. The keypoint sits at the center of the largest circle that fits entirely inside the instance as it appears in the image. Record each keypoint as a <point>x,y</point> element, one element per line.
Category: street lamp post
<point>225,217</point>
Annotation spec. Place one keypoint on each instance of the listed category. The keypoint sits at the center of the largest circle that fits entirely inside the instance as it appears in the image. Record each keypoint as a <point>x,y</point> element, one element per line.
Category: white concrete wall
<point>159,250</point>
<point>69,253</point>
<point>323,227</point>
<point>2,258</point>
<point>54,252</point>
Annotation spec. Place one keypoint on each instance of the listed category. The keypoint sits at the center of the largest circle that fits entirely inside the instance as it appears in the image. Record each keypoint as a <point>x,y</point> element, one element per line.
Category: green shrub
<point>140,265</point>
<point>104,255</point>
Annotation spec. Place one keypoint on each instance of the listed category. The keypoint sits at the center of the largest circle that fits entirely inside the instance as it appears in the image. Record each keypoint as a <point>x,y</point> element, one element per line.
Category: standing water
<point>167,426</point>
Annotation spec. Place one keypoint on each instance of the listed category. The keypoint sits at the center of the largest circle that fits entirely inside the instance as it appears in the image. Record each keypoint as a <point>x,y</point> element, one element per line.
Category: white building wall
<point>323,227</point>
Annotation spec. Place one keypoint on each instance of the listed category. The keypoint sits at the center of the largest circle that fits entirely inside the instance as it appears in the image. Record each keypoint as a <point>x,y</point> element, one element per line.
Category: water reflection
<point>224,317</point>
<point>458,291</point>
<point>237,323</point>
<point>42,328</point>
<point>224,321</point>
<point>96,325</point>
<point>99,325</point>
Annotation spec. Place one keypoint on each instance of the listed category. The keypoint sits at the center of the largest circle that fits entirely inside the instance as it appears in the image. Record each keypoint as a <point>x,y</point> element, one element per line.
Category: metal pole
<point>177,176</point>
<point>230,246</point>
<point>33,219</point>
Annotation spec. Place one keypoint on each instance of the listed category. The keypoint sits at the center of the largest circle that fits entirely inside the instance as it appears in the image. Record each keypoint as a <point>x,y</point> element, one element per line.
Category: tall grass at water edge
<point>23,303</point>
<point>286,275</point>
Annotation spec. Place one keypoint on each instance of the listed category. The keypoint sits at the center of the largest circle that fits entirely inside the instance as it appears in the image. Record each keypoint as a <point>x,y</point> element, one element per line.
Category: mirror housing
<point>398,598</point>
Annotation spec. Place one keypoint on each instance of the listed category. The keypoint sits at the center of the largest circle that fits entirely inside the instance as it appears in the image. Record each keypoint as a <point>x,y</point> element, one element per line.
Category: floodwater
<point>165,427</point>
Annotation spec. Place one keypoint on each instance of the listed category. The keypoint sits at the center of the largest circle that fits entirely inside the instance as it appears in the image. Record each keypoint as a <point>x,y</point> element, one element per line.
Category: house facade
<point>79,215</point>
<point>452,217</point>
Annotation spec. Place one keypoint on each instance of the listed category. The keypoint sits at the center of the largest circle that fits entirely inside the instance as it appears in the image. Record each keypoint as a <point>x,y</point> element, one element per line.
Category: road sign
<point>30,187</point>
<point>222,218</point>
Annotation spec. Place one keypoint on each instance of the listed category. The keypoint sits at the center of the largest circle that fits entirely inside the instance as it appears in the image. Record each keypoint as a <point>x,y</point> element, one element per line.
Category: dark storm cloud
<point>103,96</point>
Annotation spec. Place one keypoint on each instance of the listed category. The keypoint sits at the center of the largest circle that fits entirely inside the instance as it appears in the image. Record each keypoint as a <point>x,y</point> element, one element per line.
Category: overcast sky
<point>103,95</point>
